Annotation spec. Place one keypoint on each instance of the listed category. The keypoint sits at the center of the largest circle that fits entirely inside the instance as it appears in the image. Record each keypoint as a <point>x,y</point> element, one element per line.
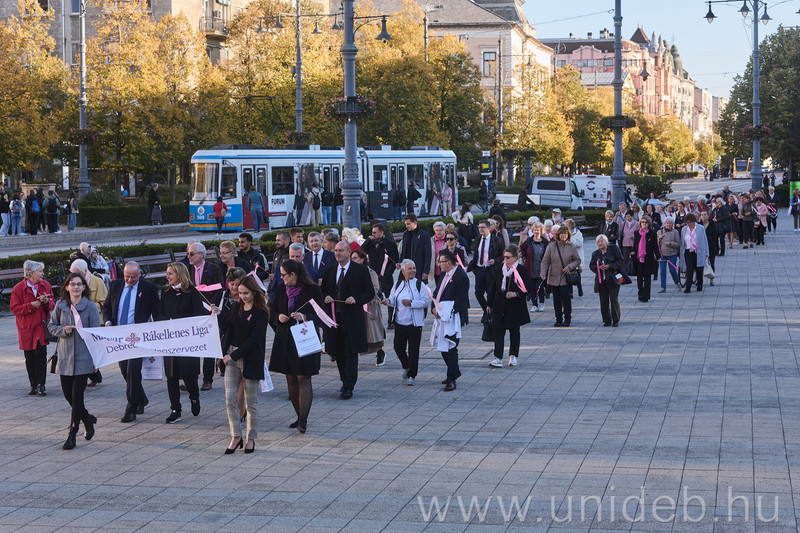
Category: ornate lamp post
<point>618,173</point>
<point>755,173</point>
<point>83,175</point>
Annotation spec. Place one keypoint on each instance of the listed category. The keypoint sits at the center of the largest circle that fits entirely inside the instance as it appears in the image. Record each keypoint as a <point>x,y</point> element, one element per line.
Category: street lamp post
<point>83,174</point>
<point>755,173</point>
<point>618,173</point>
<point>425,26</point>
<point>298,72</point>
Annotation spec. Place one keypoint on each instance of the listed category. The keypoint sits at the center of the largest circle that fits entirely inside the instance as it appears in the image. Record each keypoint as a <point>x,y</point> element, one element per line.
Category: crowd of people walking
<point>349,280</point>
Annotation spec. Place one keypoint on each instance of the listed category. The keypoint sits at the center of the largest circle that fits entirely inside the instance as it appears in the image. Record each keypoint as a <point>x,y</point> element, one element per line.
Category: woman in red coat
<point>31,302</point>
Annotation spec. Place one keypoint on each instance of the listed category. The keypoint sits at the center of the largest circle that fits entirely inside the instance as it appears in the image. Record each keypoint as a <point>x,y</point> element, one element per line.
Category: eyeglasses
<point>508,257</point>
<point>449,238</point>
<point>443,261</point>
<point>78,284</point>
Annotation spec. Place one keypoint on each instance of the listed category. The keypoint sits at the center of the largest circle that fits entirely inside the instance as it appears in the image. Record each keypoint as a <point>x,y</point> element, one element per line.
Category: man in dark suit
<point>453,287</point>
<point>349,284</point>
<point>378,247</point>
<point>316,258</point>
<point>416,245</point>
<point>610,228</point>
<point>204,273</point>
<point>131,300</point>
<point>487,256</point>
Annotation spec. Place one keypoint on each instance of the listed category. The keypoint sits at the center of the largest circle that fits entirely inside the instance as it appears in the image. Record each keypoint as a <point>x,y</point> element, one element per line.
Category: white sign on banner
<point>183,337</point>
<point>153,368</point>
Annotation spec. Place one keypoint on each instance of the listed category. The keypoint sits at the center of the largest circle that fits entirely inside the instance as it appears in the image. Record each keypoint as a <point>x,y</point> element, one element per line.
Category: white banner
<point>153,368</point>
<point>184,337</point>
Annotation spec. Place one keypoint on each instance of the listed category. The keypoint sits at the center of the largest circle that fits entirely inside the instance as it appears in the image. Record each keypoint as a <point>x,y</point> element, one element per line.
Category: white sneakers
<point>534,309</point>
<point>541,308</point>
<point>512,360</point>
<point>497,363</point>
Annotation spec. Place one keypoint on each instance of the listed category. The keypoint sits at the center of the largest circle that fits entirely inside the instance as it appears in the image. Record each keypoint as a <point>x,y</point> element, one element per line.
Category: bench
<point>152,266</point>
<point>211,255</point>
<point>11,276</point>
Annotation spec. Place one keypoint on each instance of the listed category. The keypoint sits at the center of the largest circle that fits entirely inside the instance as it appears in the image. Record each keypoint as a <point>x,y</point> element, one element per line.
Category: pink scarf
<point>507,273</point>
<point>641,253</point>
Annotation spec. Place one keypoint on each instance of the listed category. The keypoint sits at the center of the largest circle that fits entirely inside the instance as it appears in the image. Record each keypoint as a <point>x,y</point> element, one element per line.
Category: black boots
<point>88,422</point>
<point>70,442</point>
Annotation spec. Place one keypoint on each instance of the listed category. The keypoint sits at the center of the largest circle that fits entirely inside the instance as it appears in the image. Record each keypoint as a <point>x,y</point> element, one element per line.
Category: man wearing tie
<point>489,254</point>
<point>610,228</point>
<point>316,258</point>
<point>204,273</point>
<point>131,300</point>
<point>348,287</point>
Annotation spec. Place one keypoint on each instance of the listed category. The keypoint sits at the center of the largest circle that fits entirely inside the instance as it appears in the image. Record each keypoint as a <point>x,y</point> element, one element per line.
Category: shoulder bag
<point>573,277</point>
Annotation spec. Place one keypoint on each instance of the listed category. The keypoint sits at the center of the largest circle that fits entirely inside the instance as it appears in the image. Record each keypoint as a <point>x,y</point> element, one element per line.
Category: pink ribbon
<point>520,283</point>
<point>458,258</point>
<point>434,300</point>
<point>333,311</point>
<point>76,317</point>
<point>209,288</point>
<point>365,310</point>
<point>258,280</point>
<point>385,262</point>
<point>599,272</point>
<point>331,323</point>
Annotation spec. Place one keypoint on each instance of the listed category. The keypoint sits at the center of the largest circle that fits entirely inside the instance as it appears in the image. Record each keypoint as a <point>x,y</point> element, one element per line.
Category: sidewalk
<point>690,404</point>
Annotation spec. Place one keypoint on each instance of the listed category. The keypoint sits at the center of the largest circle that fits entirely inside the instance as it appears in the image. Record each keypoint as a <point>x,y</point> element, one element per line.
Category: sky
<point>713,54</point>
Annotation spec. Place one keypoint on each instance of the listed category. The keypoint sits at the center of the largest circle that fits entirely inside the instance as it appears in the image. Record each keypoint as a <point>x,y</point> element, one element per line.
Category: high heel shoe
<point>301,426</point>
<point>251,450</point>
<point>239,444</point>
<point>88,422</point>
<point>70,442</point>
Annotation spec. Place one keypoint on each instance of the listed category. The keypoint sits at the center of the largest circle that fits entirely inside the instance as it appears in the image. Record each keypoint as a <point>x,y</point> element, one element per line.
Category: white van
<point>557,191</point>
<point>596,190</point>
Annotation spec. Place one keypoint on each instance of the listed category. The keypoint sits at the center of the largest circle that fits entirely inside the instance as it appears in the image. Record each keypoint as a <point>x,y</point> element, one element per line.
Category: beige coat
<point>376,334</point>
<point>552,270</point>
<point>97,291</point>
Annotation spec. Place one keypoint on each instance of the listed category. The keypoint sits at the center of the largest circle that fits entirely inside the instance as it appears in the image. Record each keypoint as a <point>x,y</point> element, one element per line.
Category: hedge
<point>129,215</point>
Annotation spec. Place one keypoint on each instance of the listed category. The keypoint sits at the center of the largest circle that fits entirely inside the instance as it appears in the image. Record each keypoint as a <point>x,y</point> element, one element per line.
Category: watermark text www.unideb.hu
<point>608,507</point>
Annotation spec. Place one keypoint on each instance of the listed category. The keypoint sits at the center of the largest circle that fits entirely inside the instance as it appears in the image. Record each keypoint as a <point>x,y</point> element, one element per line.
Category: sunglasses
<point>450,238</point>
<point>508,257</point>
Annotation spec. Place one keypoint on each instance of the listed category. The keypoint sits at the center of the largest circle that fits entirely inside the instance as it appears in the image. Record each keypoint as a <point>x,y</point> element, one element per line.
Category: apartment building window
<point>561,63</point>
<point>76,7</point>
<point>75,53</point>
<point>43,5</point>
<point>608,62</point>
<point>489,64</point>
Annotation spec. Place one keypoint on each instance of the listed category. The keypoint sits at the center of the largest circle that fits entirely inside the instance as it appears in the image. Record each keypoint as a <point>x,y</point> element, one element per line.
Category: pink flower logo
<point>132,340</point>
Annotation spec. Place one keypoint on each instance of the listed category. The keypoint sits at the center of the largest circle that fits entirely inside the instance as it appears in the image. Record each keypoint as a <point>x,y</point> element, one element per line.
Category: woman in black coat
<point>181,299</point>
<point>287,308</point>
<point>606,263</point>
<point>645,258</point>
<point>508,304</point>
<point>244,346</point>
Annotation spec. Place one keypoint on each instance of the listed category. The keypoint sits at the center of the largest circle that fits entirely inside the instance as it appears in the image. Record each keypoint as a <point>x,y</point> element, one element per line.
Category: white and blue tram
<point>230,171</point>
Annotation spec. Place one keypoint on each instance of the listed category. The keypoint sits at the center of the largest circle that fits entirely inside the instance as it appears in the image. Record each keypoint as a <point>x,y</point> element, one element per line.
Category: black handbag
<point>573,277</point>
<point>488,329</point>
<point>53,362</point>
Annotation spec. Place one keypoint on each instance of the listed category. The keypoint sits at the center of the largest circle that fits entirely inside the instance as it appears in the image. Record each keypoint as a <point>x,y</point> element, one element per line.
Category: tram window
<point>335,184</point>
<point>204,181</point>
<point>326,178</point>
<point>435,177</point>
<point>393,176</point>
<point>228,182</point>
<point>380,178</point>
<point>282,180</point>
<point>401,177</point>
<point>247,179</point>
<point>416,173</point>
<point>261,180</point>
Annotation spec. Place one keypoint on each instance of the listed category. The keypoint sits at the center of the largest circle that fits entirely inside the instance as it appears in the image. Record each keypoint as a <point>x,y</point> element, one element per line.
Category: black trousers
<point>346,360</point>
<point>219,221</point>
<point>131,371</point>
<point>760,231</point>
<point>451,360</point>
<point>209,366</point>
<point>643,279</point>
<point>562,304</point>
<point>33,223</point>
<point>484,277</point>
<point>772,223</point>
<point>52,222</point>
<point>174,390</point>
<point>500,340</point>
<point>693,270</point>
<point>609,301</point>
<point>408,338</point>
<point>74,388</point>
<point>721,239</point>
<point>747,231</point>
<point>36,364</point>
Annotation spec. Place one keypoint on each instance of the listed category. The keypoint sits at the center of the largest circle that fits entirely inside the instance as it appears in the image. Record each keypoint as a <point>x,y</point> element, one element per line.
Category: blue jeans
<point>327,211</point>
<point>6,224</point>
<point>339,214</point>
<point>72,220</point>
<point>662,265</point>
<point>398,212</point>
<point>257,219</point>
<point>16,219</point>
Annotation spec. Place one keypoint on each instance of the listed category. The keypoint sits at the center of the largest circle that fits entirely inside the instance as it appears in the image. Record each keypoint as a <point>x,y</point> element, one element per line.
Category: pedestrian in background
<point>747,217</point>
<point>376,335</point>
<point>453,289</point>
<point>220,210</point>
<point>721,218</point>
<point>244,346</point>
<point>75,363</point>
<point>560,258</point>
<point>416,245</point>
<point>735,227</point>
<point>669,243</point>
<point>255,204</point>
<point>17,209</point>
<point>508,305</point>
<point>31,302</point>
<point>606,263</point>
<point>410,300</point>
<point>5,214</point>
<point>694,252</point>
<point>532,252</point>
<point>645,256</point>
<point>72,211</point>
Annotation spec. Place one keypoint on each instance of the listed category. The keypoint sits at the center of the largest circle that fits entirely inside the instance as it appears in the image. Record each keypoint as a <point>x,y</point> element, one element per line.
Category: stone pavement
<point>682,419</point>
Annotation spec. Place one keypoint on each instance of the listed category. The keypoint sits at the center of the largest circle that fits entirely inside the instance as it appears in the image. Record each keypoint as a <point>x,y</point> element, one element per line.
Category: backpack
<point>35,206</point>
<point>16,206</point>
<point>315,200</point>
<point>52,205</point>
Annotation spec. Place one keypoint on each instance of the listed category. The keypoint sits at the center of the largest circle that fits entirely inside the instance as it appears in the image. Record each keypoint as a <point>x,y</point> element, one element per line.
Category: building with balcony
<point>211,17</point>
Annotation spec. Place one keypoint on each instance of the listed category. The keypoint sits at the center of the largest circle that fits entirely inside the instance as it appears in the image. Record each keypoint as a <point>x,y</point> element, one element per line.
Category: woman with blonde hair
<point>181,299</point>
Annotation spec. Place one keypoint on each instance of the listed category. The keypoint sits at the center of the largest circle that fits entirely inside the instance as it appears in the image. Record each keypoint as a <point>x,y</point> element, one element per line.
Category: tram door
<point>252,175</point>
<point>417,174</point>
<point>378,201</point>
<point>280,189</point>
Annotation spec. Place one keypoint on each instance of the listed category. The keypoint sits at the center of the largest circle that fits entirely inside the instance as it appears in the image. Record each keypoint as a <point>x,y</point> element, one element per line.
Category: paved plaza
<point>682,419</point>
